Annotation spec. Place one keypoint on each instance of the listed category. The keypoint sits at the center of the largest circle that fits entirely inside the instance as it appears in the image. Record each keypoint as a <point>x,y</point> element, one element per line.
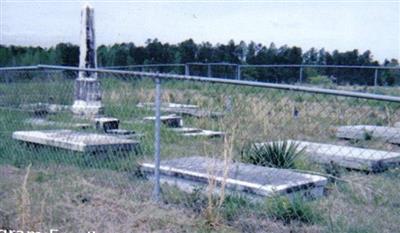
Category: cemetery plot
<point>46,123</point>
<point>366,132</point>
<point>183,109</point>
<point>190,172</point>
<point>195,132</point>
<point>76,141</point>
<point>204,133</point>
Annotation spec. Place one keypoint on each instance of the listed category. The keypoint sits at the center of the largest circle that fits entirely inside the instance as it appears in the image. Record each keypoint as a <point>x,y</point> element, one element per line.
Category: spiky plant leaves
<point>280,154</point>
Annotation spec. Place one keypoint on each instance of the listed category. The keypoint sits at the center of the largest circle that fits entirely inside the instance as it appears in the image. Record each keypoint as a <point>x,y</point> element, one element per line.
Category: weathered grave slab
<point>172,121</point>
<point>184,109</point>
<point>124,133</point>
<point>42,109</point>
<point>363,132</point>
<point>190,172</point>
<point>44,122</point>
<point>349,157</point>
<point>199,113</point>
<point>168,105</point>
<point>186,130</point>
<point>205,133</point>
<point>106,123</point>
<point>75,141</point>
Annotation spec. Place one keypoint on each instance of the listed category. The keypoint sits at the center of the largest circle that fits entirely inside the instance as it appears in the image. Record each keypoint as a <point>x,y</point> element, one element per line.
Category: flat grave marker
<point>189,173</point>
<point>76,141</point>
<point>205,133</point>
<point>44,122</point>
<point>183,109</point>
<point>363,132</point>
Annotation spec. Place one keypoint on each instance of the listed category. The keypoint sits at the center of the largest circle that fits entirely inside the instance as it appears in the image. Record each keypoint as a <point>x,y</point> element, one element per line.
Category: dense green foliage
<point>156,52</point>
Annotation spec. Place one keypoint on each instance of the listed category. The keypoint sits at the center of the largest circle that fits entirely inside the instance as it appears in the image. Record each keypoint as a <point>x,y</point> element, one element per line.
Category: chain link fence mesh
<point>45,188</point>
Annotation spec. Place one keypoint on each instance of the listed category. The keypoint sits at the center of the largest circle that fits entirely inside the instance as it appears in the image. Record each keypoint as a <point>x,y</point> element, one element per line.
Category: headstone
<point>76,141</point>
<point>87,88</point>
<point>349,157</point>
<point>397,124</point>
<point>367,132</point>
<point>172,121</point>
<point>189,173</point>
<point>106,123</point>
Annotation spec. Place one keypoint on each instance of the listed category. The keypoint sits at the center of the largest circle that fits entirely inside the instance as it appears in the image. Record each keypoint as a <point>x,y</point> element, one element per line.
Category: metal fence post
<point>157,141</point>
<point>301,74</point>
<point>376,78</point>
<point>187,71</point>
<point>238,75</point>
<point>208,70</point>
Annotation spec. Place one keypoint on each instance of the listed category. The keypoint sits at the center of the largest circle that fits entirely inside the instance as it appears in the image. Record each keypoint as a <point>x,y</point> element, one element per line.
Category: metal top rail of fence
<point>217,80</point>
<point>238,71</point>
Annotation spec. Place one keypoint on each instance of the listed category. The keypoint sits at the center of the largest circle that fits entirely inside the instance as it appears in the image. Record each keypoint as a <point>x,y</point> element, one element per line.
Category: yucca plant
<point>281,154</point>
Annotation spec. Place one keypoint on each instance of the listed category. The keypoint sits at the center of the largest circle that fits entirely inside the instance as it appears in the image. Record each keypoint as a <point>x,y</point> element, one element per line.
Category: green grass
<point>368,203</point>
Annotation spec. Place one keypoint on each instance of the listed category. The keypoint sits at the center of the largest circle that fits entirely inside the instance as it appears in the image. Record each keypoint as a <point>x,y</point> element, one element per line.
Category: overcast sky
<point>329,24</point>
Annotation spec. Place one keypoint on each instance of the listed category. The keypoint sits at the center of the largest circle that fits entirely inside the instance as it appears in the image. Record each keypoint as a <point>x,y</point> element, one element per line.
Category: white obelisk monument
<point>87,88</point>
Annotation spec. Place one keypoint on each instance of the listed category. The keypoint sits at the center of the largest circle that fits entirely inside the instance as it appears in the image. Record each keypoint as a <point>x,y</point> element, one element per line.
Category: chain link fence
<point>351,139</point>
<point>373,79</point>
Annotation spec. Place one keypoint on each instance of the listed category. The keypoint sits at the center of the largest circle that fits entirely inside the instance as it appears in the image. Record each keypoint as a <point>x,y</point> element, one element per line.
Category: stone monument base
<point>90,109</point>
<point>87,97</point>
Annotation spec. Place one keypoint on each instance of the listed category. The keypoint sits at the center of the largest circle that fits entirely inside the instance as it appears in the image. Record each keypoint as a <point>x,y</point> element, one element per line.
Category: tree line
<point>156,52</point>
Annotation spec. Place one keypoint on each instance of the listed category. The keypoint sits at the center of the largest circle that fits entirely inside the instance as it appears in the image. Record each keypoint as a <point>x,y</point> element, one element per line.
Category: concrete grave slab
<point>42,109</point>
<point>183,109</point>
<point>44,122</point>
<point>124,133</point>
<point>186,130</point>
<point>75,141</point>
<point>195,113</point>
<point>172,121</point>
<point>205,133</point>
<point>349,157</point>
<point>168,105</point>
<point>257,181</point>
<point>362,132</point>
